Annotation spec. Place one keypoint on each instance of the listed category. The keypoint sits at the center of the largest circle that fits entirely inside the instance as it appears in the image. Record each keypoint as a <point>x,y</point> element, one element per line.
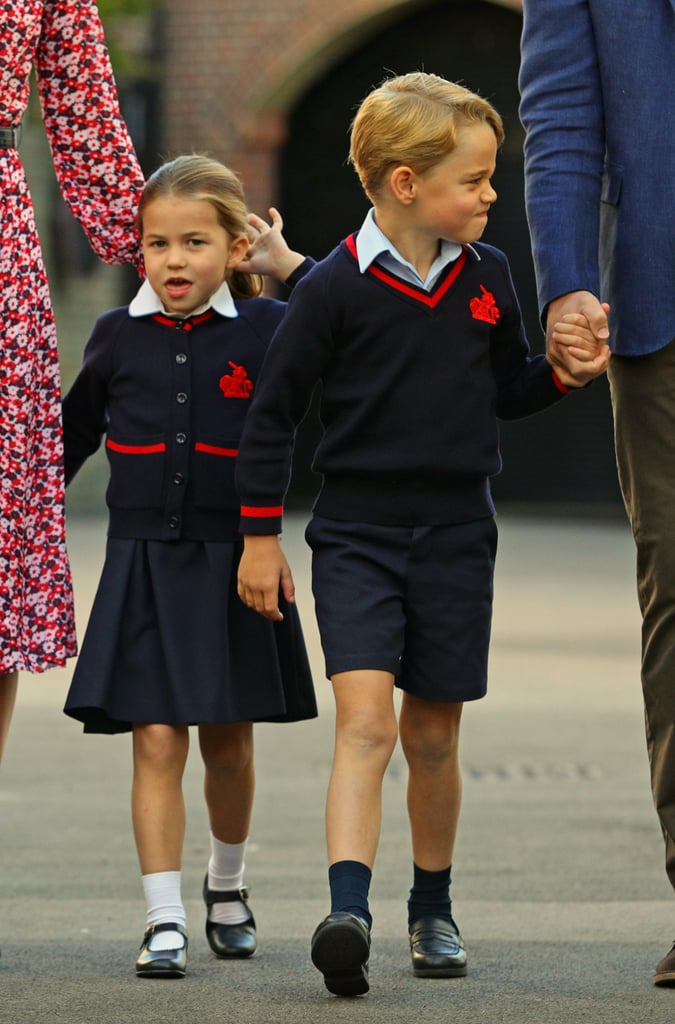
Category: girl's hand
<point>268,251</point>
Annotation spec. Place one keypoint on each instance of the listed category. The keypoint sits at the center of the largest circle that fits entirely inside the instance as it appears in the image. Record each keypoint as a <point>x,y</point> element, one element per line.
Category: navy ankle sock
<point>430,895</point>
<point>349,882</point>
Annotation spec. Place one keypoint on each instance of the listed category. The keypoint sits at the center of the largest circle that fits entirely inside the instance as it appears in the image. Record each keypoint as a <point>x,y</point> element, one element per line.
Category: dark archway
<point>562,457</point>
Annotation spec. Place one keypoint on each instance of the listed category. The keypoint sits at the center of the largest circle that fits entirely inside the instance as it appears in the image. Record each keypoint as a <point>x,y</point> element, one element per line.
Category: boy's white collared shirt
<point>146,302</point>
<point>372,244</point>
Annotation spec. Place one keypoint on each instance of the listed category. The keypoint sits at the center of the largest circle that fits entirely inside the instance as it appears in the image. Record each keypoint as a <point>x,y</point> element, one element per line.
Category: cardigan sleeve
<point>84,406</point>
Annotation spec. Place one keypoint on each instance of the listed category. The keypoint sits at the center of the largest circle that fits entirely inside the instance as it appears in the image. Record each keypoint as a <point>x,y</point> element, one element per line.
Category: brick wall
<point>235,67</point>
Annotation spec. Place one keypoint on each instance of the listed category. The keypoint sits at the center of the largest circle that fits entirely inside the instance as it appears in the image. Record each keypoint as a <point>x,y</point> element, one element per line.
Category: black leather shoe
<point>340,950</point>
<point>162,963</point>
<point>665,969</point>
<point>437,949</point>
<point>229,940</point>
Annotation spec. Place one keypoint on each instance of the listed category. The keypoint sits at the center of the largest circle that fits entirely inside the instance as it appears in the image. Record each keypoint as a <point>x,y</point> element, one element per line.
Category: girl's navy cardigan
<point>171,398</point>
<point>412,385</point>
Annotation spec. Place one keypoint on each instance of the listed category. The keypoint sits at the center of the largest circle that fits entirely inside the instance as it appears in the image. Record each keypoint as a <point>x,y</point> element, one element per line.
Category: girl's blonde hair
<point>200,177</point>
<point>413,120</point>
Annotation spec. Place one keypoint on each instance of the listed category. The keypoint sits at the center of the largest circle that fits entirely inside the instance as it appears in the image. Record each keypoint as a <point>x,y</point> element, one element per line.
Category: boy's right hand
<point>579,351</point>
<point>263,572</point>
<point>576,338</point>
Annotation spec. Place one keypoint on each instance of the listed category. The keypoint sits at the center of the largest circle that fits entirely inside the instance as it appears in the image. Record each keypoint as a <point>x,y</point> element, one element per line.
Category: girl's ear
<point>402,183</point>
<point>238,249</point>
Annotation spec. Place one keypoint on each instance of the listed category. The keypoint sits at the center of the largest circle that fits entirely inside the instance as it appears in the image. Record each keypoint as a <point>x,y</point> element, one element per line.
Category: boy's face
<point>453,197</point>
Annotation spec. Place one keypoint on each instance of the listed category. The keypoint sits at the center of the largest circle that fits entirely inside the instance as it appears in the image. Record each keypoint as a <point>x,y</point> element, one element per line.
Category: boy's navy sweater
<point>412,385</point>
<point>171,397</point>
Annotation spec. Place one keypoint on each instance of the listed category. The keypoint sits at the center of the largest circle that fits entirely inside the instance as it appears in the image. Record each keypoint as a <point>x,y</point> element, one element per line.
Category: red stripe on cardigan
<point>135,449</point>
<point>214,449</point>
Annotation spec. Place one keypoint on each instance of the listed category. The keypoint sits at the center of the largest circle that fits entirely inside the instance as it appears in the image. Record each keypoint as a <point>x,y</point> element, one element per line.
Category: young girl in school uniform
<point>168,381</point>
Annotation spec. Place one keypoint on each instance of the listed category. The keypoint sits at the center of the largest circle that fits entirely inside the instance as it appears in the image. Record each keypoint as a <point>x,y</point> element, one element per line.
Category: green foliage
<point>124,8</point>
<point>128,50</point>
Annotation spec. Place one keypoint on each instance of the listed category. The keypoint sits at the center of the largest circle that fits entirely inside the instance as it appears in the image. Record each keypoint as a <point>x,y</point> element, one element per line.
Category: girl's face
<point>187,252</point>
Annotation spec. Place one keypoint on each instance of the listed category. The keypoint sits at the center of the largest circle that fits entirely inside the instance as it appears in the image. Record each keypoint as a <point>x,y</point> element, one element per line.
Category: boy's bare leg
<point>365,736</point>
<point>430,741</point>
<point>366,731</point>
<point>8,686</point>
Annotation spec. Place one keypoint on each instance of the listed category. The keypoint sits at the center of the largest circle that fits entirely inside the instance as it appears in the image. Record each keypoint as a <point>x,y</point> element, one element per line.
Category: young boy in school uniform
<point>414,331</point>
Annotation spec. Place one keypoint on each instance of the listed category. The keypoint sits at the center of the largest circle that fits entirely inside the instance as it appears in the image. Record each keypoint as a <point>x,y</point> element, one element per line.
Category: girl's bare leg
<point>229,787</point>
<point>229,778</point>
<point>157,806</point>
<point>8,686</point>
<point>158,815</point>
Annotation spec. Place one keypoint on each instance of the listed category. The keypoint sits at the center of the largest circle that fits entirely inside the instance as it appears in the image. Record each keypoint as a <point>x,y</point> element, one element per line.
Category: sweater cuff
<point>299,272</point>
<point>261,520</point>
<point>565,389</point>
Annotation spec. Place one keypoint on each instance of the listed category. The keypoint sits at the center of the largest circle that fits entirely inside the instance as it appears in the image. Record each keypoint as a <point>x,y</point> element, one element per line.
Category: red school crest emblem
<point>236,384</point>
<point>485,308</point>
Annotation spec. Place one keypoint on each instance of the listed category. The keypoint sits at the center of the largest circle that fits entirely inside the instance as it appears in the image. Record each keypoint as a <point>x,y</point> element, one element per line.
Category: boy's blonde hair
<point>413,120</point>
<point>200,177</point>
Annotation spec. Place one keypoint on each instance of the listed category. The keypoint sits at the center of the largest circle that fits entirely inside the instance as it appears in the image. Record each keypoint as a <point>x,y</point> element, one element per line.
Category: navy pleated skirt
<point>169,641</point>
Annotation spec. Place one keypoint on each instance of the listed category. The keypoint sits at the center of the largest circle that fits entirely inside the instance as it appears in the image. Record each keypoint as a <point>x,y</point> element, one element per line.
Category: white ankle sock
<point>164,903</point>
<point>226,873</point>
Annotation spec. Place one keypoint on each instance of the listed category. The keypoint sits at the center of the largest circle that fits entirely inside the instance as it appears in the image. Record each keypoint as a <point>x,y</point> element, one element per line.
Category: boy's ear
<point>238,250</point>
<point>402,183</point>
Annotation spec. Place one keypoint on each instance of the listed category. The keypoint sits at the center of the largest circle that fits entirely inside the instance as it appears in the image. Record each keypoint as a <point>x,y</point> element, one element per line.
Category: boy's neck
<point>417,247</point>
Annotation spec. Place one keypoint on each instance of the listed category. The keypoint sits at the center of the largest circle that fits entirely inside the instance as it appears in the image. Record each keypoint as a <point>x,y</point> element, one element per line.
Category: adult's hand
<point>575,364</point>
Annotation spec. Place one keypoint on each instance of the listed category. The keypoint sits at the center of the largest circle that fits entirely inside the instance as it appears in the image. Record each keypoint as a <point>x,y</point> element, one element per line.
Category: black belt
<point>10,137</point>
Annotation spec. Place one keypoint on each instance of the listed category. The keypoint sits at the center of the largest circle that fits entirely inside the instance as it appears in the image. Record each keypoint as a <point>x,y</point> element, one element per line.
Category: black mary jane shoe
<point>341,950</point>
<point>437,949</point>
<point>229,940</point>
<point>162,963</point>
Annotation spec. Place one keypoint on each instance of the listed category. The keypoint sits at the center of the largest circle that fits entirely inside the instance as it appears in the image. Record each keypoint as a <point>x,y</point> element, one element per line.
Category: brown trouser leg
<point>643,399</point>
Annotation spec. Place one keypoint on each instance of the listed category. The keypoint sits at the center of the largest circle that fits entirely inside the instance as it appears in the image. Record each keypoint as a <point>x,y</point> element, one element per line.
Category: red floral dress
<point>100,179</point>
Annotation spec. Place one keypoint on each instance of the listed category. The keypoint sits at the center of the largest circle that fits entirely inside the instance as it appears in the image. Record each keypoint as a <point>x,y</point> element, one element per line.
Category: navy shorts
<point>413,601</point>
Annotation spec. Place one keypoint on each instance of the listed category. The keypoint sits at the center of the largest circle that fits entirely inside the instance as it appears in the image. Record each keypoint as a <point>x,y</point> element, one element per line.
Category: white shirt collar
<point>371,243</point>
<point>146,301</point>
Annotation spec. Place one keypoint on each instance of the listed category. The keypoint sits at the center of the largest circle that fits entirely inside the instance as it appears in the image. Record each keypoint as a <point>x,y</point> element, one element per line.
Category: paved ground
<point>559,884</point>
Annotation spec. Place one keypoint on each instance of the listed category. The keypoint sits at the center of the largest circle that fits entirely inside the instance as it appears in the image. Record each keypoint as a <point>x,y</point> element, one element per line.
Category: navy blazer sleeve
<point>561,110</point>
